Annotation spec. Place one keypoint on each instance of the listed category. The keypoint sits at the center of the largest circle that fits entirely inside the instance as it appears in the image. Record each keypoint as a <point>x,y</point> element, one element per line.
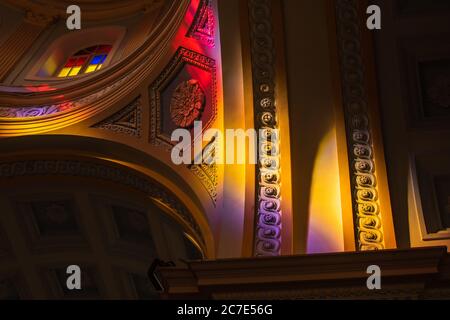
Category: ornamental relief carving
<point>184,92</point>
<point>48,110</point>
<point>126,121</point>
<point>187,103</point>
<point>268,188</point>
<point>208,173</point>
<point>203,27</point>
<point>364,184</point>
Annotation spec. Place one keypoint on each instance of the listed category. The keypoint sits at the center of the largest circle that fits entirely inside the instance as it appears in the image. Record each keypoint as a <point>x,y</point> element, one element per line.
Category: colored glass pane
<point>98,59</point>
<point>74,71</point>
<point>70,63</point>
<point>86,60</point>
<point>64,72</point>
<point>81,61</point>
<point>91,68</point>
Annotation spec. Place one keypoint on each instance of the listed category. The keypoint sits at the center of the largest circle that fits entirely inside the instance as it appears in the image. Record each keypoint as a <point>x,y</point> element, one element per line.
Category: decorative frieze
<point>367,216</point>
<point>268,188</point>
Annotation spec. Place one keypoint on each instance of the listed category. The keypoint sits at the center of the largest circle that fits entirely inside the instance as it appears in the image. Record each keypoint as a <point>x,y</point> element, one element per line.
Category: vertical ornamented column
<point>268,191</point>
<point>371,223</point>
<point>13,49</point>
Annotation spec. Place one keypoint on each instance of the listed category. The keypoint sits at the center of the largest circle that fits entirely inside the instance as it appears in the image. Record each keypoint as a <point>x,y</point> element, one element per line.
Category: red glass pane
<point>81,61</point>
<point>70,63</point>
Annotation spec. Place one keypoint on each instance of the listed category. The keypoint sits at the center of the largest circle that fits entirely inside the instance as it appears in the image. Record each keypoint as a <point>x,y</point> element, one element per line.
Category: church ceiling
<point>92,9</point>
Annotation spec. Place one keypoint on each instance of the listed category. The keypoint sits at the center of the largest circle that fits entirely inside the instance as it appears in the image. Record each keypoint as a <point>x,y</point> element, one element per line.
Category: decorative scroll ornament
<point>363,173</point>
<point>203,26</point>
<point>52,109</point>
<point>188,101</point>
<point>127,121</point>
<point>36,111</point>
<point>268,226</point>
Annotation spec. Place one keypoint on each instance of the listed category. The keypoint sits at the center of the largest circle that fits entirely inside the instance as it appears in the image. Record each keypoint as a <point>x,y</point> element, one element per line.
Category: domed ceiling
<point>91,9</point>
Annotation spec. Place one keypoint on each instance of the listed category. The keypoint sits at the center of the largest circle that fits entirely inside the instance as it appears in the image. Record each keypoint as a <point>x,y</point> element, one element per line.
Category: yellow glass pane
<point>91,68</point>
<point>74,71</point>
<point>99,66</point>
<point>64,72</point>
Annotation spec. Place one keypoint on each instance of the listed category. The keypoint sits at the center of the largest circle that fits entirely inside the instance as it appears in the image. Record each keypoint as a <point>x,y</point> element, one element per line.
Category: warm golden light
<point>325,212</point>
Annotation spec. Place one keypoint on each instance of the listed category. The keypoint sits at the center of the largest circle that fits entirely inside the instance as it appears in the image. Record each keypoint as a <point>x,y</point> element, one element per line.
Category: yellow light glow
<point>91,68</point>
<point>99,66</point>
<point>325,222</point>
<point>64,72</point>
<point>75,71</point>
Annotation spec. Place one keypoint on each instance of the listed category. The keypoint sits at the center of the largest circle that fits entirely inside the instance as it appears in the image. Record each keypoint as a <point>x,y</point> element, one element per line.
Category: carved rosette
<point>268,225</point>
<point>188,101</point>
<point>368,222</point>
<point>181,58</point>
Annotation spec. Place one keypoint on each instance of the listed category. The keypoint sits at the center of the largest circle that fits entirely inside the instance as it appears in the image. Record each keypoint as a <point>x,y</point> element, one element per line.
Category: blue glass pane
<point>98,59</point>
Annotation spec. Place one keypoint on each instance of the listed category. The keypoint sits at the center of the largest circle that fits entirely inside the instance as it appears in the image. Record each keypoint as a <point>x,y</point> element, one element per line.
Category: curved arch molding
<point>45,108</point>
<point>112,172</point>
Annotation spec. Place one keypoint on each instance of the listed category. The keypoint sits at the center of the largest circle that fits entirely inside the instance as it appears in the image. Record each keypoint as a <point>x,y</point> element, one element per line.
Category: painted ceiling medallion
<point>187,103</point>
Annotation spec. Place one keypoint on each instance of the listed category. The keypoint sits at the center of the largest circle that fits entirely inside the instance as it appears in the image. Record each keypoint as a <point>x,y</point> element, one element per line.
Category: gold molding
<point>372,214</point>
<point>90,95</point>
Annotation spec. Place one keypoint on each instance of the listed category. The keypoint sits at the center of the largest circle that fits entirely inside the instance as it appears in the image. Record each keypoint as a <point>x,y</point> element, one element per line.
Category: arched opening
<point>60,209</point>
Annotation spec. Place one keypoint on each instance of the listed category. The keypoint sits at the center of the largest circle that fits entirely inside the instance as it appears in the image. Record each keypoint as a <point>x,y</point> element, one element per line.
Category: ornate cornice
<point>369,225</point>
<point>268,188</point>
<point>83,98</point>
<point>406,274</point>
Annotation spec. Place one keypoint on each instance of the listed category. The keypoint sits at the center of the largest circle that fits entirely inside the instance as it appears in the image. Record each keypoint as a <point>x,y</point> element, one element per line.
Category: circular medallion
<point>188,101</point>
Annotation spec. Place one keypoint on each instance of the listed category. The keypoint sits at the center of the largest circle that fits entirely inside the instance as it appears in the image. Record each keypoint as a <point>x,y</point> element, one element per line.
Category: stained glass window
<point>85,61</point>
